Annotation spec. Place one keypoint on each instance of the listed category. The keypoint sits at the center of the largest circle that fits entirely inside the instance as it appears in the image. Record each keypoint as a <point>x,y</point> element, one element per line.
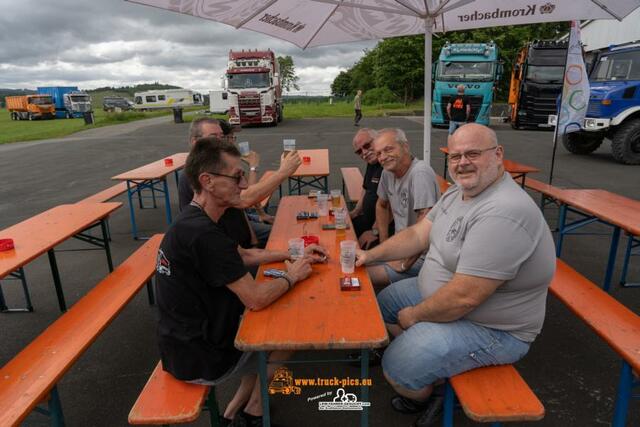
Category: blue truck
<point>477,67</point>
<point>614,106</point>
<point>69,101</point>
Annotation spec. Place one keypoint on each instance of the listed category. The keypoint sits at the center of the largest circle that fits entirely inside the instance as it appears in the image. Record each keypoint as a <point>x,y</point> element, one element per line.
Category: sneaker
<point>432,413</point>
<point>224,422</point>
<point>375,357</point>
<point>409,406</point>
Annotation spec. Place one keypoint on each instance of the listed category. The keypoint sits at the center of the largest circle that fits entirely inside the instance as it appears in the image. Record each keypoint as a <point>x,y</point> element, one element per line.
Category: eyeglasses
<point>471,155</point>
<point>237,178</point>
<point>365,147</point>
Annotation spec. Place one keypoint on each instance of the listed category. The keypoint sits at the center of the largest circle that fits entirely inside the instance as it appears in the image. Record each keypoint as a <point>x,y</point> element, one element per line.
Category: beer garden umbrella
<point>310,23</point>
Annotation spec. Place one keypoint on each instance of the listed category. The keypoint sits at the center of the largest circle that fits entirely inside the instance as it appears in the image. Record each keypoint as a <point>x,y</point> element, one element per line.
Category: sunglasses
<point>365,147</point>
<point>237,178</point>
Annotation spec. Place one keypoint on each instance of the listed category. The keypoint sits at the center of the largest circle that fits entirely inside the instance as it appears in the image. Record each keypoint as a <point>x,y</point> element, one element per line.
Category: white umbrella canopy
<point>309,23</point>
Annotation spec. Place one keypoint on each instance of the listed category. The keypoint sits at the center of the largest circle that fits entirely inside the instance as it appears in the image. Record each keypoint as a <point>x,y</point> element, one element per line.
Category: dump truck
<point>254,93</point>
<point>536,82</point>
<point>474,65</point>
<point>30,107</point>
<point>70,102</point>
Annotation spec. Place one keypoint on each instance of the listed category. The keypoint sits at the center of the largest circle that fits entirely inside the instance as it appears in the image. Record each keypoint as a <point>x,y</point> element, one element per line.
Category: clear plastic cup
<point>348,256</point>
<point>244,147</point>
<point>340,215</point>
<point>296,248</point>
<point>323,204</point>
<point>289,144</point>
<point>335,198</point>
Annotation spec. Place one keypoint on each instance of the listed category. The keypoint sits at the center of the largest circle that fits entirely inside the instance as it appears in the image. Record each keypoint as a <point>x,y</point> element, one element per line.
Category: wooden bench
<point>618,326</point>
<point>549,193</point>
<point>443,183</point>
<point>30,378</point>
<point>492,394</point>
<point>106,194</point>
<point>166,400</point>
<point>352,183</point>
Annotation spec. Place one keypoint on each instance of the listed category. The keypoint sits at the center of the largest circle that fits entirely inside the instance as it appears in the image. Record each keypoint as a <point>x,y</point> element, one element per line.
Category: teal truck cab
<point>476,66</point>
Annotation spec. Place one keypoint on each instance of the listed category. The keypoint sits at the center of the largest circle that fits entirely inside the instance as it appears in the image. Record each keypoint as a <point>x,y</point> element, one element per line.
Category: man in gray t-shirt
<point>408,188</point>
<point>480,296</point>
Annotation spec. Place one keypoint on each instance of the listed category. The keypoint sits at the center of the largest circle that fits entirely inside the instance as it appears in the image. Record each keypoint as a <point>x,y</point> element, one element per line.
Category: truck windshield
<point>617,66</point>
<point>545,74</point>
<point>41,100</point>
<point>465,71</point>
<point>244,81</point>
<point>80,98</point>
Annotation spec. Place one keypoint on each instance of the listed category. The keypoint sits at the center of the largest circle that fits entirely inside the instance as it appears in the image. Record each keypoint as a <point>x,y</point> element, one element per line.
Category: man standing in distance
<point>458,110</point>
<point>357,105</point>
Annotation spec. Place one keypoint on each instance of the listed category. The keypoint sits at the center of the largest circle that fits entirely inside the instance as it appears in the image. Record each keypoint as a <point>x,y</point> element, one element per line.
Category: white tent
<point>309,23</point>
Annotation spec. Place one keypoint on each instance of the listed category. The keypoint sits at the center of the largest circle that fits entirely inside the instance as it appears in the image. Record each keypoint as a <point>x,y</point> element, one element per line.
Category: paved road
<point>572,372</point>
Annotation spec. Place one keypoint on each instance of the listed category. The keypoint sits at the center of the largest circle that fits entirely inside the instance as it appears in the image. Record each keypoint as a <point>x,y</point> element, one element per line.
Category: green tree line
<point>394,69</point>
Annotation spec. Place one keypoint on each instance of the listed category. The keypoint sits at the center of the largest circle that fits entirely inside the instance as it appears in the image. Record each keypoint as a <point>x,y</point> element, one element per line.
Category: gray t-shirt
<point>417,189</point>
<point>499,234</point>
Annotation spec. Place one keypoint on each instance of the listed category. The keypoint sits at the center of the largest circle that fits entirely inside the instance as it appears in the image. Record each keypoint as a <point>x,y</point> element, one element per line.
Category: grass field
<point>24,130</point>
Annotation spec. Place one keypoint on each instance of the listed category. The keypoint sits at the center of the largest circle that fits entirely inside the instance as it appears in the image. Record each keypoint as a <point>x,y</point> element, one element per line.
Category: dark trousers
<point>358,116</point>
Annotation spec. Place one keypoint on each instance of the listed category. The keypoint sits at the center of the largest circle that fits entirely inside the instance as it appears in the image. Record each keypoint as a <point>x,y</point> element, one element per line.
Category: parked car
<point>110,103</point>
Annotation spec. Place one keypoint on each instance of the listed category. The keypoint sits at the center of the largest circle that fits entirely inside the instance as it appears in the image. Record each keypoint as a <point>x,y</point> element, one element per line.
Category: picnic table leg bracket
<point>17,275</point>
<point>56,280</point>
<point>632,243</point>
<point>105,242</point>
<point>167,201</point>
<point>132,214</point>
<point>613,250</point>
<point>561,222</point>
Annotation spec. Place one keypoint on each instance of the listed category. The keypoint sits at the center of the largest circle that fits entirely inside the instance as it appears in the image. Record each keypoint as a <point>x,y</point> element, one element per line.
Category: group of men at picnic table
<point>461,277</point>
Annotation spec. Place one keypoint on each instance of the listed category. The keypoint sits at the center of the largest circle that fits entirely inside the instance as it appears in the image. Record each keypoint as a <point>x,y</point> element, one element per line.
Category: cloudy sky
<point>114,43</point>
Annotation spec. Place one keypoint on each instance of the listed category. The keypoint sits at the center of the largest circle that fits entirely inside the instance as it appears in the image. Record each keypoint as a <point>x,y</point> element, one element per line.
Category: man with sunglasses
<point>203,285</point>
<point>480,297</point>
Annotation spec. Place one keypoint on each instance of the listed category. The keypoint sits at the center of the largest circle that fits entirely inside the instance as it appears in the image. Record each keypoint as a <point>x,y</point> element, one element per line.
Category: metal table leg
<point>56,280</point>
<point>364,390</point>
<point>264,391</point>
<point>613,250</point>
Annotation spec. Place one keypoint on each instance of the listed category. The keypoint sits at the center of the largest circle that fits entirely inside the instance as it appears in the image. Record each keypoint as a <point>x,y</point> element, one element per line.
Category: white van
<point>218,101</point>
<point>167,98</point>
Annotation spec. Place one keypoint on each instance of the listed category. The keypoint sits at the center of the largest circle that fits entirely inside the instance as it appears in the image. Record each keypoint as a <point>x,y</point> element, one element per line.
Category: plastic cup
<point>244,148</point>
<point>289,144</point>
<point>335,198</point>
<point>296,248</point>
<point>340,215</point>
<point>323,204</point>
<point>348,256</point>
<point>168,161</point>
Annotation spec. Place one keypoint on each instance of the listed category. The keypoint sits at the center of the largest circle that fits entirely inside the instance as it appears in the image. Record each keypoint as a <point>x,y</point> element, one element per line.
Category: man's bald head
<point>483,135</point>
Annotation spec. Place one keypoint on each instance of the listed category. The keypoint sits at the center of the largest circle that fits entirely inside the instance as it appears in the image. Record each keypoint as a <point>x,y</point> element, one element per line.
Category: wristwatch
<point>253,168</point>
<point>375,231</point>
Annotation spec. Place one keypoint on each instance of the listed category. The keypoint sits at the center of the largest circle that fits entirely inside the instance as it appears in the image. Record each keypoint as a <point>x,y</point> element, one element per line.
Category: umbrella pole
<point>428,22</point>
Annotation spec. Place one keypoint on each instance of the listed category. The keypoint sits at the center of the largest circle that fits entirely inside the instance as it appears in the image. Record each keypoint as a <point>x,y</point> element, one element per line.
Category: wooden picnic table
<point>517,170</point>
<point>315,314</point>
<point>41,233</point>
<point>620,212</point>
<point>152,176</point>
<point>313,174</point>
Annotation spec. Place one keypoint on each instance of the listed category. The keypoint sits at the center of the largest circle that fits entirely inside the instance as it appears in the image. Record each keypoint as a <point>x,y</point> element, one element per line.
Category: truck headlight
<point>590,124</point>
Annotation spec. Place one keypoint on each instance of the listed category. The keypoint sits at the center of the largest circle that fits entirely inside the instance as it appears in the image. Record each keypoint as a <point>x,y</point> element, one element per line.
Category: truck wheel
<point>625,145</point>
<point>30,116</point>
<point>579,143</point>
<point>13,116</point>
<point>280,110</point>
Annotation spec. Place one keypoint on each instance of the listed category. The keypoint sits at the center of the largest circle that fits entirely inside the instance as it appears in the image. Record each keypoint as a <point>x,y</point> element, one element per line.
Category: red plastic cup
<point>168,161</point>
<point>306,160</point>
<point>310,240</point>
<point>6,245</point>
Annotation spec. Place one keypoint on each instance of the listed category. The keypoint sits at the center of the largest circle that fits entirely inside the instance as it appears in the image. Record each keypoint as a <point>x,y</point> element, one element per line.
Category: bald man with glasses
<point>481,293</point>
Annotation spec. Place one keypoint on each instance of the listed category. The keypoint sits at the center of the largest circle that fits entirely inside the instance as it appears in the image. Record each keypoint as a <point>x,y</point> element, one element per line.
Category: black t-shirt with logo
<point>199,314</point>
<point>370,185</point>
<point>459,108</point>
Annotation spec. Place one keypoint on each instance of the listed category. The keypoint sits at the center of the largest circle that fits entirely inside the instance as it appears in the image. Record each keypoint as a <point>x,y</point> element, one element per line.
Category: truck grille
<point>537,108</point>
<point>474,100</point>
<point>594,108</point>
<point>83,108</point>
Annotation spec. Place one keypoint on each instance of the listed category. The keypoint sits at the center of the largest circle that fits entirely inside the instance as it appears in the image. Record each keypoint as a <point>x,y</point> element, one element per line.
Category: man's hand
<point>362,257</point>
<point>289,162</point>
<point>399,266</point>
<point>316,253</point>
<point>366,239</point>
<point>407,317</point>
<point>298,270</point>
<point>266,218</point>
<point>252,159</point>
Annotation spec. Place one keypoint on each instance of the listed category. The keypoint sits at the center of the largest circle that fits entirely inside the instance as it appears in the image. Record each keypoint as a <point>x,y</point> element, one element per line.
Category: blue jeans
<point>453,126</point>
<point>428,351</point>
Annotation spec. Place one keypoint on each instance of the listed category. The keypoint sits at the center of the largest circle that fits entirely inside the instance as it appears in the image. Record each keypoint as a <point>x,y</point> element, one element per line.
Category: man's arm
<point>289,162</point>
<point>383,218</point>
<point>253,160</point>
<point>255,256</point>
<point>468,111</point>
<point>405,264</point>
<point>451,302</point>
<point>449,110</point>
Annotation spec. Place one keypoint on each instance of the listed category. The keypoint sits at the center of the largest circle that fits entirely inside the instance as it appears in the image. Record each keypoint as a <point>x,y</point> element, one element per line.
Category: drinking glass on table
<point>289,144</point>
<point>340,215</point>
<point>296,248</point>
<point>244,148</point>
<point>323,204</point>
<point>348,256</point>
<point>335,198</point>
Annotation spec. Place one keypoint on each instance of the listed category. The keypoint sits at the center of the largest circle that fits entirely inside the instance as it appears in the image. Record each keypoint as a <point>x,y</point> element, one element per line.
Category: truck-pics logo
<point>529,10</point>
<point>343,401</point>
<point>282,382</point>
<point>283,23</point>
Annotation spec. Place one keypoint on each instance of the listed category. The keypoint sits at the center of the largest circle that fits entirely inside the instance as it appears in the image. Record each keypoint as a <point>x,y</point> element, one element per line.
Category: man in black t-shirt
<point>363,215</point>
<point>458,110</point>
<point>203,286</point>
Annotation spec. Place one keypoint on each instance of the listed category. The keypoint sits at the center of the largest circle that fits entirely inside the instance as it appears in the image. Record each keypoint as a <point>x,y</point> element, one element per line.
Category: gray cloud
<point>93,43</point>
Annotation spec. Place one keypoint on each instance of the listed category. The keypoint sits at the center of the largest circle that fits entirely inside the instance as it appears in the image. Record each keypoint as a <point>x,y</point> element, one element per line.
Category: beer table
<point>313,174</point>
<point>152,176</point>
<point>517,170</point>
<point>315,314</point>
<point>619,212</point>
<point>41,233</point>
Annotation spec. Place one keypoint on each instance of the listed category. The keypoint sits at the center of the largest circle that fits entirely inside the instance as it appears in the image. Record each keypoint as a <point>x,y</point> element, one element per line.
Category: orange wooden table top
<point>315,314</point>
<point>610,207</point>
<point>319,165</point>
<point>38,234</point>
<point>509,165</point>
<point>154,170</point>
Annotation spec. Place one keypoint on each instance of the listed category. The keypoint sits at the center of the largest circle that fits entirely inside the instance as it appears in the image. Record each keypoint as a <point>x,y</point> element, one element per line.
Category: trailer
<point>166,98</point>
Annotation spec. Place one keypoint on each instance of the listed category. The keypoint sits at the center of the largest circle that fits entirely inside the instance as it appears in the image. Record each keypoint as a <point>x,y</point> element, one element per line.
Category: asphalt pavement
<point>571,370</point>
